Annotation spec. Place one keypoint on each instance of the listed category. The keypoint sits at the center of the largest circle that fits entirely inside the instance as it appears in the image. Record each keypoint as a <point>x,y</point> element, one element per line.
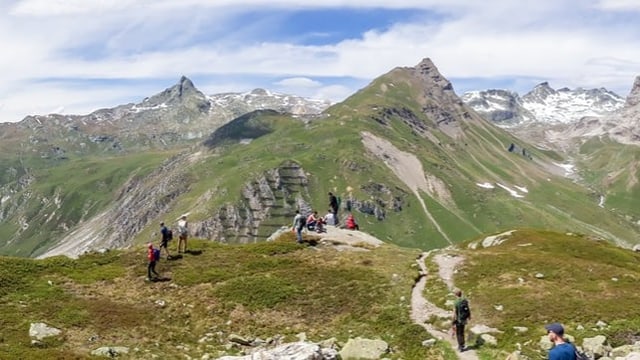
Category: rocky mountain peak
<point>176,94</point>
<point>428,71</point>
<point>634,96</point>
<point>260,92</point>
<point>540,92</point>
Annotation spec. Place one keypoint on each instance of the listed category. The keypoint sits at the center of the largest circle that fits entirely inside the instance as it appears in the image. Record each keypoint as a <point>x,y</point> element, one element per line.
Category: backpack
<point>579,354</point>
<point>464,313</point>
<point>169,234</point>
<point>156,254</point>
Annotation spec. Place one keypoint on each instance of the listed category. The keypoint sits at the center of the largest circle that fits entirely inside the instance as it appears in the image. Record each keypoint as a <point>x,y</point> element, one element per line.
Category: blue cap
<point>556,328</point>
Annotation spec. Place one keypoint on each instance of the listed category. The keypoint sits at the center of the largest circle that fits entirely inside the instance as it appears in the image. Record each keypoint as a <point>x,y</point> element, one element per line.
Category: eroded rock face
<point>633,99</point>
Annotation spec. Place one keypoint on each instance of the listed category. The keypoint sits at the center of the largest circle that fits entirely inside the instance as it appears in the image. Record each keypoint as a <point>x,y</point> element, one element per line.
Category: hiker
<point>312,221</point>
<point>183,232</point>
<point>165,236</point>
<point>153,255</point>
<point>351,223</point>
<point>461,314</point>
<point>298,225</point>
<point>330,219</point>
<point>562,349</point>
<point>333,205</point>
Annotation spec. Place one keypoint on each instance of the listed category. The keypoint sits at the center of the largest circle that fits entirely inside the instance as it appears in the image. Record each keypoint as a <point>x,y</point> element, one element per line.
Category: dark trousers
<point>151,269</point>
<point>460,334</point>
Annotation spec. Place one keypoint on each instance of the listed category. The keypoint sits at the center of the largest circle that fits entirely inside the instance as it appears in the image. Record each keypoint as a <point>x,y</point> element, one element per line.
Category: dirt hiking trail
<point>421,309</point>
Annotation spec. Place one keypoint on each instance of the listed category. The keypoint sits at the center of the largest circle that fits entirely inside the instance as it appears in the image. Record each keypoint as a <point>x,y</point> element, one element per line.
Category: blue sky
<point>75,56</point>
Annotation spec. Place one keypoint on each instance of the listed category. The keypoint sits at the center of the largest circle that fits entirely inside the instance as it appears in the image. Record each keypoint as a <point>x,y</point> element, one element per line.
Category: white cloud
<point>298,82</point>
<point>150,39</point>
<point>619,5</point>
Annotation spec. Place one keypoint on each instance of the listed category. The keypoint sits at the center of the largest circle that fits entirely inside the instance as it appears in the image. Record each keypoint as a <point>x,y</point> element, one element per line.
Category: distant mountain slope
<point>596,129</point>
<point>415,165</point>
<point>543,104</point>
<point>177,115</point>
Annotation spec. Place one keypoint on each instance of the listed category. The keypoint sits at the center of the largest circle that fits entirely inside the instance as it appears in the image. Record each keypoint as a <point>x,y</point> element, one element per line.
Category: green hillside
<point>537,277</point>
<point>418,167</point>
<point>613,170</point>
<point>280,289</point>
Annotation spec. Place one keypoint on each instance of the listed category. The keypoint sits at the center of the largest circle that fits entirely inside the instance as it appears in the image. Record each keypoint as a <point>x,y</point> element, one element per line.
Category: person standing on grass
<point>165,236</point>
<point>152,255</point>
<point>298,224</point>
<point>461,315</point>
<point>561,350</point>
<point>183,233</point>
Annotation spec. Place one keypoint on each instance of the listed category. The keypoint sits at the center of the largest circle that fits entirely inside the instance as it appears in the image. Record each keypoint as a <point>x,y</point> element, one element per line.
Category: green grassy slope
<point>62,194</point>
<point>257,290</point>
<point>331,151</point>
<point>583,281</point>
<point>613,170</point>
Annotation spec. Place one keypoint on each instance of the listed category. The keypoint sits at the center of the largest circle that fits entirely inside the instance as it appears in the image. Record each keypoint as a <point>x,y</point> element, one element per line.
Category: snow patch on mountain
<point>261,99</point>
<point>543,104</point>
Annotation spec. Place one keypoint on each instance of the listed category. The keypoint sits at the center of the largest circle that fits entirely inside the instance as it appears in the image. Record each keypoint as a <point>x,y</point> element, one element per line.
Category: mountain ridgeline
<point>415,164</point>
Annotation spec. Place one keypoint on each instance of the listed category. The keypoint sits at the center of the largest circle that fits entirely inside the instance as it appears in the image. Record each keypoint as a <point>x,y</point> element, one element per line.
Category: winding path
<point>421,310</point>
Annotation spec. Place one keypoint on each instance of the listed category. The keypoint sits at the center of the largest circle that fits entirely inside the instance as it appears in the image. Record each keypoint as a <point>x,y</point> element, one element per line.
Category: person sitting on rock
<point>320,226</point>
<point>330,219</point>
<point>351,223</point>
<point>312,221</point>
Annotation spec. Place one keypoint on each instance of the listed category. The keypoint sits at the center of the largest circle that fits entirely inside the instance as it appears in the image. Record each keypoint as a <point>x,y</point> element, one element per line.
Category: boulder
<point>110,351</point>
<point>488,340</point>
<point>545,344</point>
<point>360,348</point>
<point>39,331</point>
<point>234,338</point>
<point>483,329</point>
<point>596,346</point>
<point>291,351</point>
<point>521,329</point>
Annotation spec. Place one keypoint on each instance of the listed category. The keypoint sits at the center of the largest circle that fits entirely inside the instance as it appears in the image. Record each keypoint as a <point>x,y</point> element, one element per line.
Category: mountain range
<point>417,166</point>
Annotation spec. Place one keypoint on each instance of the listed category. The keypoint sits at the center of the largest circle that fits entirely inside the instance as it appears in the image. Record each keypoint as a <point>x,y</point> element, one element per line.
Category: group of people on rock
<point>313,222</point>
<point>166,235</point>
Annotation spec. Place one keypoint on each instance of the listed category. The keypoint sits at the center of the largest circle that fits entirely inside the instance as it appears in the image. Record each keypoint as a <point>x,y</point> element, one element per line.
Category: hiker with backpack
<point>562,349</point>
<point>298,224</point>
<point>166,235</point>
<point>183,232</point>
<point>461,315</point>
<point>153,255</point>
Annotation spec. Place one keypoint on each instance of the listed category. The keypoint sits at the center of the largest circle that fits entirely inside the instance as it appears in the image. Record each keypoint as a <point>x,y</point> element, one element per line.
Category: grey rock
<point>489,340</point>
<point>596,346</point>
<point>429,342</point>
<point>521,329</point>
<point>110,351</point>
<point>483,329</point>
<point>40,331</point>
<point>360,348</point>
<point>291,351</point>
<point>234,338</point>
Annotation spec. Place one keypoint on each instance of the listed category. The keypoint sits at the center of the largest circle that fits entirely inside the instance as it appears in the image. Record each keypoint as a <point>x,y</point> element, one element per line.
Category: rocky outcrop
<point>267,203</point>
<point>633,99</point>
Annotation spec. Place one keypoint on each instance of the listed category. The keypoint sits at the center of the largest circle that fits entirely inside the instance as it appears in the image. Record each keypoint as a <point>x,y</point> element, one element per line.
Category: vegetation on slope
<point>260,290</point>
<point>583,281</point>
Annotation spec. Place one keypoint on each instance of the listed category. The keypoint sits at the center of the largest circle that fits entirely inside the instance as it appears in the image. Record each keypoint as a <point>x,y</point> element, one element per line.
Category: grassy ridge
<point>256,290</point>
<point>584,281</point>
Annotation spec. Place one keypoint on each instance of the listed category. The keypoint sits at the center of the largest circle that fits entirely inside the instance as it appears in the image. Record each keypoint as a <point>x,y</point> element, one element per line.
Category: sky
<point>76,56</point>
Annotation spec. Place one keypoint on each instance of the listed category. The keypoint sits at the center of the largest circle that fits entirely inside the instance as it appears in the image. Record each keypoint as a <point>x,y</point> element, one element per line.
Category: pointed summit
<point>177,94</point>
<point>428,70</point>
<point>634,96</point>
